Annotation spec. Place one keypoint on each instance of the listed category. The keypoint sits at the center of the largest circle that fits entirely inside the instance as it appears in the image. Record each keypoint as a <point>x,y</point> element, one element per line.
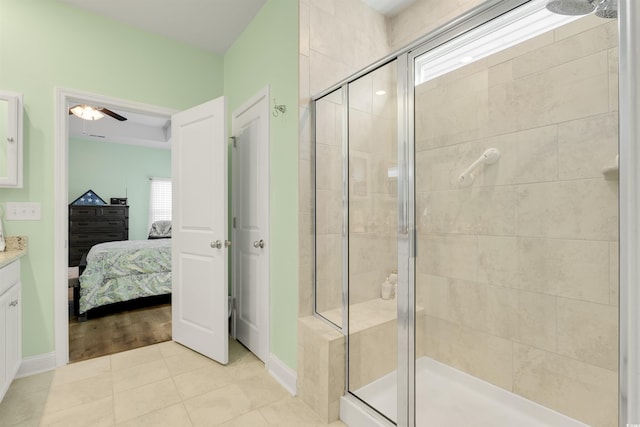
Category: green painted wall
<point>267,53</point>
<point>46,44</point>
<point>92,165</point>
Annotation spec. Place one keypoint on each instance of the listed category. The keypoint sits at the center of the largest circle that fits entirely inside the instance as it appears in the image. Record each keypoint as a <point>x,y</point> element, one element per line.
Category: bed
<point>123,271</point>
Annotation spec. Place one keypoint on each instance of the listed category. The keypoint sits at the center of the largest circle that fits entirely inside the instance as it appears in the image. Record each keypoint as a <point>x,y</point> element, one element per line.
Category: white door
<point>251,223</point>
<point>199,229</point>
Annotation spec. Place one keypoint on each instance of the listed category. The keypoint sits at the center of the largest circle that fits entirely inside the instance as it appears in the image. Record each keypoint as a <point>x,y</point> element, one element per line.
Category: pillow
<point>160,230</point>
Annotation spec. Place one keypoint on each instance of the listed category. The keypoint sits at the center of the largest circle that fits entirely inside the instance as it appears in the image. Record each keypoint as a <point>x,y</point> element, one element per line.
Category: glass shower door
<point>517,226</point>
<point>373,174</point>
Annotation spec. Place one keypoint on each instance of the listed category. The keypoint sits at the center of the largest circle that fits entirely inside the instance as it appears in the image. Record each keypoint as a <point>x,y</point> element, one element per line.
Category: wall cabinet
<point>10,324</point>
<point>10,140</point>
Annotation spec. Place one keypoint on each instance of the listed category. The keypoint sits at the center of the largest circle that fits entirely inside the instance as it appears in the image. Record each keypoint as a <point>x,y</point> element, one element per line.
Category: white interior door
<point>199,229</point>
<point>251,223</point>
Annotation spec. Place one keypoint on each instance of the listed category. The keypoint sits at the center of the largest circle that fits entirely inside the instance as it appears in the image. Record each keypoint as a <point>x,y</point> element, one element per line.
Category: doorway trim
<point>261,98</point>
<point>63,97</point>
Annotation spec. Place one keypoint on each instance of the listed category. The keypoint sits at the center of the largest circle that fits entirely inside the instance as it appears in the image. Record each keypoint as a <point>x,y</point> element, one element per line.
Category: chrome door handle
<point>227,243</point>
<point>13,303</point>
<point>258,244</point>
<point>217,244</point>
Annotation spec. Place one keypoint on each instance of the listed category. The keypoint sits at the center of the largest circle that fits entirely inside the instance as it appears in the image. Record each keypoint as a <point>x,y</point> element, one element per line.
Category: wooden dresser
<point>89,225</point>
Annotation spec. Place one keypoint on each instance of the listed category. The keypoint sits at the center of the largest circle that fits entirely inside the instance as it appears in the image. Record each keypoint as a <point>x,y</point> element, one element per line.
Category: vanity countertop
<point>16,247</point>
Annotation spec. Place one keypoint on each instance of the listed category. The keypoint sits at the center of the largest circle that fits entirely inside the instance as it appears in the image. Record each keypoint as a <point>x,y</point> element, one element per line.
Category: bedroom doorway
<point>66,98</point>
<point>250,224</point>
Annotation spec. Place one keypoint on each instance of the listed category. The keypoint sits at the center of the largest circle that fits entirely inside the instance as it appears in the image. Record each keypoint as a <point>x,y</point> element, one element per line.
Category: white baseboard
<point>36,364</point>
<point>286,376</point>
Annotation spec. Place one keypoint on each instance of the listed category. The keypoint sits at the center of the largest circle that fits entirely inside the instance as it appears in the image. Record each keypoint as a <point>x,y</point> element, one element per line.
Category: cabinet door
<point>13,330</point>
<point>4,378</point>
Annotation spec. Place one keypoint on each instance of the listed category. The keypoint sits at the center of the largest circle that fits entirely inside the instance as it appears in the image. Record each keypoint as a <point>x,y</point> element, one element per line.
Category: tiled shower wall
<point>338,38</point>
<point>518,274</point>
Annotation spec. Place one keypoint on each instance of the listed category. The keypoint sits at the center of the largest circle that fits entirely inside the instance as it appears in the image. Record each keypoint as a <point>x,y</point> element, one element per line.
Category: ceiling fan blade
<point>112,114</point>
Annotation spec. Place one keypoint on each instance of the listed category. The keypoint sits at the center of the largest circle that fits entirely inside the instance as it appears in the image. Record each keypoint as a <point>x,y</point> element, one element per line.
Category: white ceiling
<point>209,24</point>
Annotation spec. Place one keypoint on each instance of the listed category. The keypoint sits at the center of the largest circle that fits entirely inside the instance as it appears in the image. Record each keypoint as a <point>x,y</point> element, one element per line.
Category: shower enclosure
<point>466,225</point>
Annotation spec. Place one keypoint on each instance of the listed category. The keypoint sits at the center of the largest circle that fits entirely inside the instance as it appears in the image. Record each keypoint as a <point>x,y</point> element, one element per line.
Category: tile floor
<point>164,384</point>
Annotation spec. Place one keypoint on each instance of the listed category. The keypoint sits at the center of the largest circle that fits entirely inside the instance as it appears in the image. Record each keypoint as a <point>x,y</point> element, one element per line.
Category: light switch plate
<point>22,211</point>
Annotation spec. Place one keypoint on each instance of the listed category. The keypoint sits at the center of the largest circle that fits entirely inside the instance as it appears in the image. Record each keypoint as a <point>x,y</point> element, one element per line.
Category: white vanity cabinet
<point>10,324</point>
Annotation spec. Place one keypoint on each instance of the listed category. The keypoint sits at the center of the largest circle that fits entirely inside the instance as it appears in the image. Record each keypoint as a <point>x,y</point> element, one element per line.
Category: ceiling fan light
<point>86,112</point>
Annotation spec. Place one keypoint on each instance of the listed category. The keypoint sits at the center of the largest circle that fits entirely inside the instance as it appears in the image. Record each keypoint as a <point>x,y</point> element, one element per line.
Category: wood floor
<point>117,332</point>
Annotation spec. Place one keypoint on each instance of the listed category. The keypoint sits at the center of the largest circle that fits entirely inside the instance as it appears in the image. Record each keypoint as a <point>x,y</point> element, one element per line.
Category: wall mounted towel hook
<point>278,109</point>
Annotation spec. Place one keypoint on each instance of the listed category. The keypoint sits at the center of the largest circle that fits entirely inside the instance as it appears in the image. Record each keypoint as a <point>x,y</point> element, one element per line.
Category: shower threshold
<point>446,396</point>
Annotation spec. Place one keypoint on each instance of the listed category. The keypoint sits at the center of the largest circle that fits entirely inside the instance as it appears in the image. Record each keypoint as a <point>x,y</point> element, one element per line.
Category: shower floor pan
<point>449,397</point>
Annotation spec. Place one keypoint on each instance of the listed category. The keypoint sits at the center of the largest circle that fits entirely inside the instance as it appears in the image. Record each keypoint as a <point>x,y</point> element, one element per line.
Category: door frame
<point>61,215</point>
<point>261,97</point>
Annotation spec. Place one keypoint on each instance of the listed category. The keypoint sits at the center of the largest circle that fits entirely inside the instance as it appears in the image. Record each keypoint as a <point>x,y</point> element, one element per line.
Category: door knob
<point>217,244</point>
<point>227,243</point>
<point>258,244</point>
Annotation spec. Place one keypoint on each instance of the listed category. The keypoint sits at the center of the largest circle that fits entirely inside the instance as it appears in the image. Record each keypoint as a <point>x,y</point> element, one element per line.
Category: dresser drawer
<point>99,212</point>
<point>93,238</point>
<point>81,225</point>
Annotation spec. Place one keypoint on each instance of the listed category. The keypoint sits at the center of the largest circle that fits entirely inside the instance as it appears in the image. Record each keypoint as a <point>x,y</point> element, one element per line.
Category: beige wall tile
<point>579,390</point>
<point>323,5</point>
<point>578,26</point>
<point>585,209</point>
<point>448,256</point>
<point>501,73</point>
<point>498,261</point>
<point>324,72</point>
<point>576,269</point>
<point>373,354</point>
<point>537,320</point>
<point>587,146</point>
<point>569,91</point>
<point>526,156</point>
<point>433,293</point>
<point>502,312</point>
<point>614,273</point>
<point>482,210</point>
<point>613,79</point>
<point>520,49</point>
<point>596,39</point>
<point>588,332</point>
<point>327,35</point>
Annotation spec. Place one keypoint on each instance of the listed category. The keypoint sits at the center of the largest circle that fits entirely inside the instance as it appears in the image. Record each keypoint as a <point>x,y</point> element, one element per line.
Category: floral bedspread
<point>125,270</point>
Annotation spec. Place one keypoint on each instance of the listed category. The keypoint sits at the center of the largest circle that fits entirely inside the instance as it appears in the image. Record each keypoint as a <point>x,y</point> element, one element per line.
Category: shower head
<point>571,7</point>
<point>607,9</point>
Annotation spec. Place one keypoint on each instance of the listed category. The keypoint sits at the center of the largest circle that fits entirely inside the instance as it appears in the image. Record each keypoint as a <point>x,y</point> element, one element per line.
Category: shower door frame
<point>629,202</point>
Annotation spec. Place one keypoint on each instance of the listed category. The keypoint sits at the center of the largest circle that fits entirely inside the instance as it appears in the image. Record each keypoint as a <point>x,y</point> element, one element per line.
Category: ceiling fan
<point>89,112</point>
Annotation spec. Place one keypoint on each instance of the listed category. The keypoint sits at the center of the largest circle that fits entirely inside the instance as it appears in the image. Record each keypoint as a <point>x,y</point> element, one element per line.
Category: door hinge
<point>234,222</point>
<point>233,305</point>
<point>233,138</point>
